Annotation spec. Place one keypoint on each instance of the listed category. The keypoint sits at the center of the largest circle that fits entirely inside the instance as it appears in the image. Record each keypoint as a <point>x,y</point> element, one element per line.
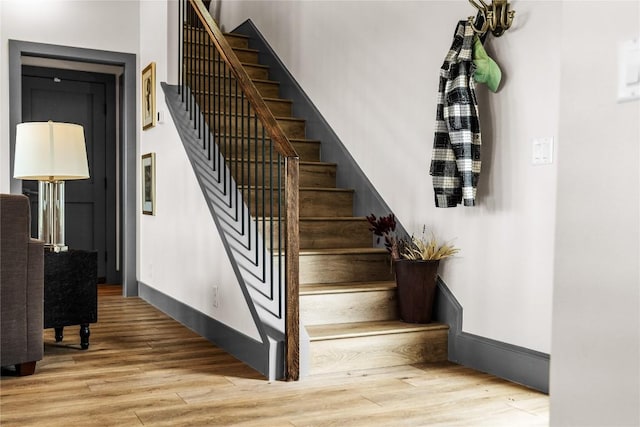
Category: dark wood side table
<point>71,292</point>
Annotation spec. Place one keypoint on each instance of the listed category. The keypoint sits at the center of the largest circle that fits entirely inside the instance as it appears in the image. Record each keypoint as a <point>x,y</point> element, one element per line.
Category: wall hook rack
<point>495,17</point>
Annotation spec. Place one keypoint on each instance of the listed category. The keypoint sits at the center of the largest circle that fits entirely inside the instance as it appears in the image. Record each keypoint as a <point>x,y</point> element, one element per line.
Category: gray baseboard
<point>518,364</point>
<point>253,353</point>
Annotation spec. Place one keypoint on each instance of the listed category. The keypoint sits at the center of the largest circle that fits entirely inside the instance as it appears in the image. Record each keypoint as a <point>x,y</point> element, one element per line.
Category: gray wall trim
<point>511,362</point>
<point>269,363</point>
<point>128,146</point>
<point>189,137</point>
<point>252,352</point>
<point>366,198</point>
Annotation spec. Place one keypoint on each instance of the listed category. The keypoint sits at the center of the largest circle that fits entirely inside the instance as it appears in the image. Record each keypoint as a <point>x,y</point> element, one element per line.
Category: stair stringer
<point>366,200</point>
<point>265,302</point>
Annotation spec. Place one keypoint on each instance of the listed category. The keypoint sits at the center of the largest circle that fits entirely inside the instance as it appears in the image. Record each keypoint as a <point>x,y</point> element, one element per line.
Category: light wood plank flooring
<point>143,368</point>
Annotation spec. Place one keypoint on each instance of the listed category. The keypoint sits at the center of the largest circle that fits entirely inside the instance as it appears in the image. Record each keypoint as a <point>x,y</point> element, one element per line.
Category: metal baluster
<point>199,92</point>
<point>271,239</point>
<point>211,95</point>
<point>221,139</point>
<point>255,187</point>
<point>280,251</point>
<point>180,49</point>
<point>230,127</point>
<point>204,92</point>
<point>248,146</point>
<point>190,56</point>
<point>232,98</point>
<point>242,153</point>
<point>263,216</point>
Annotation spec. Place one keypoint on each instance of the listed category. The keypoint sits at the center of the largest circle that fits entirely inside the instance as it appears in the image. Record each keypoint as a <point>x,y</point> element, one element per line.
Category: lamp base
<point>51,215</point>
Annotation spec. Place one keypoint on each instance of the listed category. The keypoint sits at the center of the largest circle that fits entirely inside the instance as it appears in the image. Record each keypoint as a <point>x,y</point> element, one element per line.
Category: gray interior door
<point>87,99</point>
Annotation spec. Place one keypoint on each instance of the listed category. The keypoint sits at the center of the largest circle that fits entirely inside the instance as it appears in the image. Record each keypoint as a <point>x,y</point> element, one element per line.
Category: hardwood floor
<point>143,368</point>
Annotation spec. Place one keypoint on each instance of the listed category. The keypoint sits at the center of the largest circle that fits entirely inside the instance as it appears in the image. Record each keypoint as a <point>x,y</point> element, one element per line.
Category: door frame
<point>128,144</point>
<point>44,71</point>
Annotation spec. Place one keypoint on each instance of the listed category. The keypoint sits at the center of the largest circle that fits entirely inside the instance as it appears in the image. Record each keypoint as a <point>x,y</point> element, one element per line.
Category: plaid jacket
<point>455,163</point>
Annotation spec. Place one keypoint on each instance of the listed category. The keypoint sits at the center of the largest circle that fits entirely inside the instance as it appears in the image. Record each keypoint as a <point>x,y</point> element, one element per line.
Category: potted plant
<point>416,262</point>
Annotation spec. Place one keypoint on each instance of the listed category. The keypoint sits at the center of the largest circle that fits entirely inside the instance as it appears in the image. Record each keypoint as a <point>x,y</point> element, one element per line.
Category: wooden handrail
<point>282,143</point>
<point>292,305</point>
<point>283,146</point>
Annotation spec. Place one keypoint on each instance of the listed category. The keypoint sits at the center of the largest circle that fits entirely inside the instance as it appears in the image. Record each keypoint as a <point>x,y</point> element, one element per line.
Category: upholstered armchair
<point>21,287</point>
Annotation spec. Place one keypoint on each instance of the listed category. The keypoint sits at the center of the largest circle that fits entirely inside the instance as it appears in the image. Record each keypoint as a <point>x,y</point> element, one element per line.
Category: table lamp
<point>50,153</point>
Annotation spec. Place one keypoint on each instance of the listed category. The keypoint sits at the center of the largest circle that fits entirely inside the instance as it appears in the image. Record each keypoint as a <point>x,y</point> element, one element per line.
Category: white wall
<point>595,358</point>
<point>371,67</point>
<point>106,25</point>
<point>180,252</point>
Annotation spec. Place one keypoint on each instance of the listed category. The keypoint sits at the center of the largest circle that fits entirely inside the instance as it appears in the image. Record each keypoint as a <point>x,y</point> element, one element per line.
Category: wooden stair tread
<point>238,35</point>
<point>343,251</point>
<point>265,81</point>
<point>267,139</point>
<point>243,49</point>
<point>328,218</point>
<point>266,98</point>
<point>333,218</point>
<point>244,64</point>
<point>326,189</point>
<point>288,101</point>
<point>364,329</point>
<point>244,116</point>
<point>301,162</point>
<point>190,27</point>
<point>350,287</point>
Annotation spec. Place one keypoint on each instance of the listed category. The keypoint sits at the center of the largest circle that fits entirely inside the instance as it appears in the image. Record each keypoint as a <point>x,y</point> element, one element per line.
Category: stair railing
<point>250,155</point>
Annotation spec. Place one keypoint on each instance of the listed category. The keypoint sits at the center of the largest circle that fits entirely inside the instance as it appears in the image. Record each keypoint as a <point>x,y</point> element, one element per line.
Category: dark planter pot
<point>416,282</point>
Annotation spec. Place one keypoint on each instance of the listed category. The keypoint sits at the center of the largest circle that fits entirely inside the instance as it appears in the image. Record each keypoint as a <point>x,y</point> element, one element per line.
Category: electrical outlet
<point>215,301</point>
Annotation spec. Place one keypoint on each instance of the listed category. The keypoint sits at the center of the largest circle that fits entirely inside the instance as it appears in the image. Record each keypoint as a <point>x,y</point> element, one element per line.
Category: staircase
<point>347,288</point>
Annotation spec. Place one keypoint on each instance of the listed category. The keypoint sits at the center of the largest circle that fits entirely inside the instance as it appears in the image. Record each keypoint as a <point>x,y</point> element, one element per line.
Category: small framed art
<point>149,184</point>
<point>149,96</point>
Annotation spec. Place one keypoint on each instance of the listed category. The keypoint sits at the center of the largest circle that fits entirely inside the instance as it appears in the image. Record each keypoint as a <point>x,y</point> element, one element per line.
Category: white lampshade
<point>48,151</point>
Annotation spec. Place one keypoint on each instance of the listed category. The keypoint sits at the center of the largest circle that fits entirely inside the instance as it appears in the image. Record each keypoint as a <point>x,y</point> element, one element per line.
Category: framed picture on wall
<point>149,184</point>
<point>149,96</point>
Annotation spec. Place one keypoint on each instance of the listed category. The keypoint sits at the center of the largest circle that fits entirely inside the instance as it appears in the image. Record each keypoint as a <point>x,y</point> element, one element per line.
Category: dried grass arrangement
<point>428,248</point>
<point>411,248</point>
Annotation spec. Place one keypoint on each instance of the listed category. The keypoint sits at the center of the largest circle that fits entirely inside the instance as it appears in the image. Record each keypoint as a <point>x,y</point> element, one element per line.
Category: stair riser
<point>228,87</point>
<point>322,204</point>
<point>250,173</point>
<point>198,36</point>
<point>202,66</point>
<point>237,41</point>
<point>378,351</point>
<point>348,307</point>
<point>330,234</point>
<point>241,106</point>
<point>335,234</point>
<point>247,126</point>
<point>339,268</point>
<point>311,203</point>
<point>208,51</point>
<point>249,149</point>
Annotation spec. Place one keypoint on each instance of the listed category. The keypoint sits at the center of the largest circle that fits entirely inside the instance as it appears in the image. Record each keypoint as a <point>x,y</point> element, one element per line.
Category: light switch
<point>542,150</point>
<point>629,70</point>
